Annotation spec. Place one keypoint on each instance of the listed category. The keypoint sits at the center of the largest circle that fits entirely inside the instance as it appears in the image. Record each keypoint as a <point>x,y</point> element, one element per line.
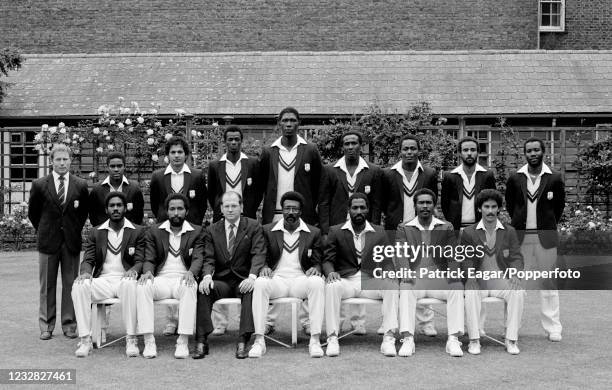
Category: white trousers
<point>454,308</point>
<point>303,287</point>
<point>99,289</point>
<point>350,287</point>
<point>166,288</point>
<point>514,301</point>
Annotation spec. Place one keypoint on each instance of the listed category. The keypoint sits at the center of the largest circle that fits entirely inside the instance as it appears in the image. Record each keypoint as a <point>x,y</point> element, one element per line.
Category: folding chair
<point>358,301</point>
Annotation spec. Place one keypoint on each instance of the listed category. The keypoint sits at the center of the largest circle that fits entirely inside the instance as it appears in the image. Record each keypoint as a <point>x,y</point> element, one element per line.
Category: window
<point>552,15</point>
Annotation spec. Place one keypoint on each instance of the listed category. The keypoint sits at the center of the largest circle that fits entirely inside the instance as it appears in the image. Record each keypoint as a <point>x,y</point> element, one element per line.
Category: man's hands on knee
<point>144,277</point>
<point>83,277</point>
<point>206,285</point>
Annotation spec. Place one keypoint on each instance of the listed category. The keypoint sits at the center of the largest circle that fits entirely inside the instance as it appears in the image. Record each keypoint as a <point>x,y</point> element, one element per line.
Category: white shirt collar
<point>280,225</point>
<point>525,170</point>
<point>184,229</point>
<point>398,167</point>
<point>415,222</point>
<point>349,226</point>
<point>278,144</point>
<point>124,180</point>
<point>242,157</point>
<point>481,226</point>
<point>184,169</point>
<point>460,169</point>
<point>126,224</point>
<point>362,164</point>
<point>227,224</point>
<point>57,175</point>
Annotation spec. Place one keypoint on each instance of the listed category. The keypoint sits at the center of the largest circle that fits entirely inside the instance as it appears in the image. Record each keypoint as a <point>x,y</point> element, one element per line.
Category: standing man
<point>501,250</point>
<point>400,183</point>
<point>111,264</point>
<point>116,182</point>
<point>290,164</point>
<point>348,267</point>
<point>235,252</point>
<point>292,269</point>
<point>173,256</point>
<point>430,235</point>
<point>58,210</point>
<point>535,199</point>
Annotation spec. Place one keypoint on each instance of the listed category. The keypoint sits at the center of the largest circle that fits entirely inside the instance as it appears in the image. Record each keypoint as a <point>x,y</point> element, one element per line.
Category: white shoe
<point>428,330</point>
<point>555,337</point>
<point>306,329</point>
<point>170,329</point>
<point>315,350</point>
<point>387,347</point>
<point>359,330</point>
<point>181,351</point>
<point>333,348</point>
<point>512,347</point>
<point>150,349</point>
<point>131,347</point>
<point>453,347</point>
<point>258,349</point>
<point>407,348</point>
<point>474,347</point>
<point>84,348</point>
<point>218,331</point>
<point>380,331</point>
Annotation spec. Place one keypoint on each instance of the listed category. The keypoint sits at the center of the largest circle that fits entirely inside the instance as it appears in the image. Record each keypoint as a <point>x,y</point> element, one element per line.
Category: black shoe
<point>71,334</point>
<point>201,350</point>
<point>46,335</point>
<point>241,350</point>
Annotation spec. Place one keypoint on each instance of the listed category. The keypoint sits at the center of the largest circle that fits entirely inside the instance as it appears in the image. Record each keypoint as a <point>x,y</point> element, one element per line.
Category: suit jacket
<point>506,240</point>
<point>308,242</point>
<point>97,213</point>
<point>340,255</point>
<point>452,194</point>
<point>249,250</point>
<point>393,191</point>
<point>251,187</point>
<point>56,223</point>
<point>161,188</point>
<point>333,202</point>
<point>548,211</point>
<point>157,244</point>
<point>132,254</point>
<point>306,181</point>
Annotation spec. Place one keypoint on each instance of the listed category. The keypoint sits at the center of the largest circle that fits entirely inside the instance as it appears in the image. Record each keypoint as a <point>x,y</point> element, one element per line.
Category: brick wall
<point>588,25</point>
<point>86,26</point>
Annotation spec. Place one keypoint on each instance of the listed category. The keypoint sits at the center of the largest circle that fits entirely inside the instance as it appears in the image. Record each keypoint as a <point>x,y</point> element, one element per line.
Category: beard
<point>176,221</point>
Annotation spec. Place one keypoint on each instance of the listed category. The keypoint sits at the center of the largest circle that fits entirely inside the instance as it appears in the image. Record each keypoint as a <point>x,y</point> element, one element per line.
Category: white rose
<point>96,131</point>
<point>167,136</point>
<point>578,212</point>
<point>591,225</point>
<point>105,132</point>
<point>92,175</point>
<point>150,131</point>
<point>81,139</point>
<point>111,147</point>
<point>140,120</point>
<point>158,124</point>
<point>112,122</point>
<point>61,124</point>
<point>38,137</point>
<point>75,136</point>
<point>128,121</point>
<point>99,149</point>
<point>130,129</point>
<point>62,130</point>
<point>150,141</point>
<point>199,133</point>
<point>155,157</point>
<point>52,130</point>
<point>194,133</point>
<point>45,127</point>
<point>107,138</point>
<point>120,125</point>
<point>215,124</point>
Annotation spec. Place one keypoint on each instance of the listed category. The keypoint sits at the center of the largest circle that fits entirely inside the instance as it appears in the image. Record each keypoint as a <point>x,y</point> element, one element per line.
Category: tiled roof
<point>261,83</point>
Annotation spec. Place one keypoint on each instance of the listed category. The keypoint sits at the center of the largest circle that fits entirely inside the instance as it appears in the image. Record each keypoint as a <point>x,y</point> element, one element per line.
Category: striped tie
<point>232,240</point>
<point>60,190</point>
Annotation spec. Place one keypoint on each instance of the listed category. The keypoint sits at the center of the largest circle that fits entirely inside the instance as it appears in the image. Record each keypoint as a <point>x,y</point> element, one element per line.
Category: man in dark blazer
<point>535,199</point>
<point>58,211</point>
<point>290,164</point>
<point>349,267</point>
<point>434,233</point>
<point>292,269</point>
<point>173,259</point>
<point>179,177</point>
<point>461,186</point>
<point>111,264</point>
<point>234,253</point>
<point>116,181</point>
<point>500,250</point>
<point>234,171</point>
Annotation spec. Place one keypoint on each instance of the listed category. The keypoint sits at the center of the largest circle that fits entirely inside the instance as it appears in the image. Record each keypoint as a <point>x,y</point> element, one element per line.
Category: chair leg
<point>96,324</point>
<point>294,321</point>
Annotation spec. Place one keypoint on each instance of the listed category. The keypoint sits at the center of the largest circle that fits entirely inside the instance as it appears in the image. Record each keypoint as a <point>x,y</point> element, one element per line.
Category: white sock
<point>182,339</point>
<point>149,337</point>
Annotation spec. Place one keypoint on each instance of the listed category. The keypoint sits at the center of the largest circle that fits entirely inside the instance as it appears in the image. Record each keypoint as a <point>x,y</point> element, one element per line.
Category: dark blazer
<point>97,214</point>
<point>452,195</point>
<point>251,187</point>
<point>249,251</point>
<point>506,240</point>
<point>306,181</point>
<point>161,188</point>
<point>548,211</point>
<point>55,223</point>
<point>393,193</point>
<point>157,244</point>
<point>333,201</point>
<point>96,246</point>
<point>309,242</point>
<point>340,255</point>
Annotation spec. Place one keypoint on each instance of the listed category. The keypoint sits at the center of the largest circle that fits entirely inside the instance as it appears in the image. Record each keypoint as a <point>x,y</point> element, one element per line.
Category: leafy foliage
<point>10,59</point>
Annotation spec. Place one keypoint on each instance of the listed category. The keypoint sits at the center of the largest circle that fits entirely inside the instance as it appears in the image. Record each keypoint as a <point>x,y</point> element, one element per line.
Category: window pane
<point>555,20</point>
<point>555,8</point>
<point>545,8</point>
<point>545,20</point>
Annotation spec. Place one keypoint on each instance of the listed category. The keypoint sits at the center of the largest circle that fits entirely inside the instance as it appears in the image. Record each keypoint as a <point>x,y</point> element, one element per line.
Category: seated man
<point>293,269</point>
<point>234,253</point>
<point>173,255</point>
<point>347,264</point>
<point>431,236</point>
<point>501,250</point>
<point>110,267</point>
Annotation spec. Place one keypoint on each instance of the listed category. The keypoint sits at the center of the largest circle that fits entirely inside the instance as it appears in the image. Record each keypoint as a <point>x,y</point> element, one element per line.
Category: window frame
<point>561,26</point>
